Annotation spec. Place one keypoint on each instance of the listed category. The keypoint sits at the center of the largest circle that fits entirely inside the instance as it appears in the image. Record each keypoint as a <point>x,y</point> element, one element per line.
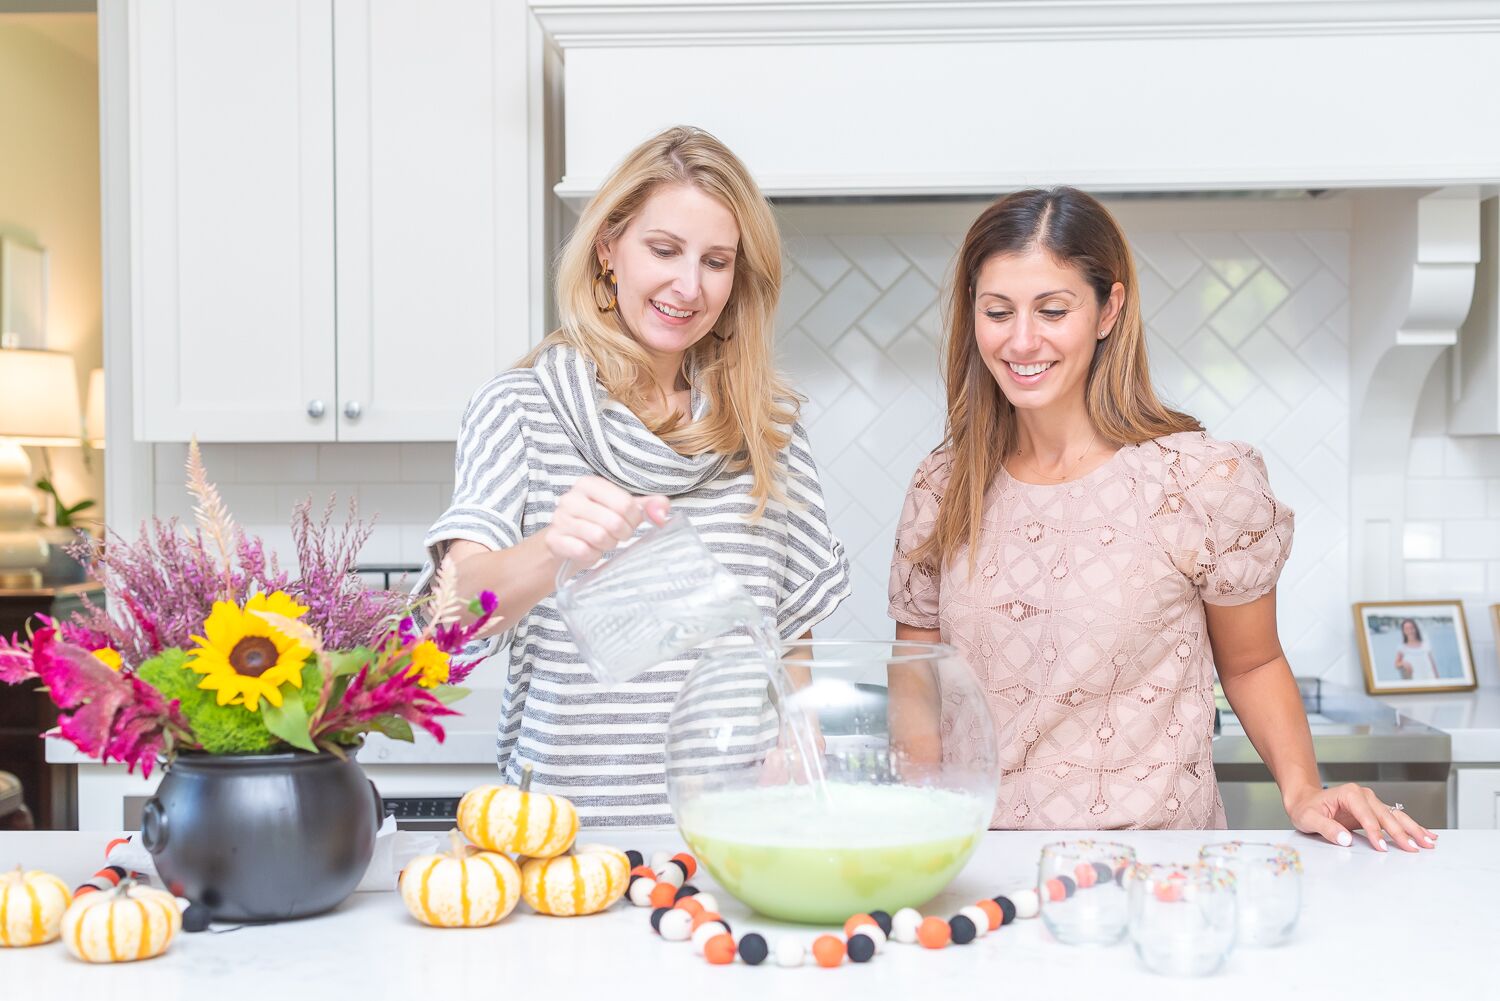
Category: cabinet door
<point>432,225</point>
<point>232,216</point>
<point>1478,798</point>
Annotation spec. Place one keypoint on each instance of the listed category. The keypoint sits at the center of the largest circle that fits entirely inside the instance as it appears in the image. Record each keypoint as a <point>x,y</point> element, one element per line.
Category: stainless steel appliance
<point>1356,739</point>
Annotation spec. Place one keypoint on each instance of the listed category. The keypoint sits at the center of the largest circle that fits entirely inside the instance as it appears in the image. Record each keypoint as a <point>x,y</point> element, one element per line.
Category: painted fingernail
<point>1380,844</point>
<point>1345,839</point>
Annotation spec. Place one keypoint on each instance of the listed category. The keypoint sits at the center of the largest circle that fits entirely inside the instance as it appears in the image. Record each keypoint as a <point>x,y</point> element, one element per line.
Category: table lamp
<point>93,411</point>
<point>38,406</point>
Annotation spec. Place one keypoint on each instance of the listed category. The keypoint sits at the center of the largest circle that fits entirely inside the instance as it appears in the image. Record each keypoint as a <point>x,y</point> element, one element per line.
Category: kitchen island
<point>1370,921</point>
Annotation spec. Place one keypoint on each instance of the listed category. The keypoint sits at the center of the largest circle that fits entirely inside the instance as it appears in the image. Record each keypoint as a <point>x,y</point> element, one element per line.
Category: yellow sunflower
<point>109,656</point>
<point>243,657</point>
<point>430,663</point>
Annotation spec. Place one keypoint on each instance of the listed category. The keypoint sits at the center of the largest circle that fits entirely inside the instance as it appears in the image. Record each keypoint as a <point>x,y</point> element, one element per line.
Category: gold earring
<point>720,337</point>
<point>605,279</point>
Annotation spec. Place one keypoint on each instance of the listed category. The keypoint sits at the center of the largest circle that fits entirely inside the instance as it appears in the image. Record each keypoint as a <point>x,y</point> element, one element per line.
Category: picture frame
<point>23,293</point>
<point>1414,646</point>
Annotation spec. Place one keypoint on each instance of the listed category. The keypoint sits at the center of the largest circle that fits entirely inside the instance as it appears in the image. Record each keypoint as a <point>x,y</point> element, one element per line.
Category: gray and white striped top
<point>527,436</point>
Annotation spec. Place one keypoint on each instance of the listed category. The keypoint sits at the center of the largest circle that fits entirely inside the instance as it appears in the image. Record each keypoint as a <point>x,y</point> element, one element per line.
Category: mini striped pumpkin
<point>121,925</point>
<point>31,907</point>
<point>515,819</point>
<point>587,880</point>
<point>461,888</point>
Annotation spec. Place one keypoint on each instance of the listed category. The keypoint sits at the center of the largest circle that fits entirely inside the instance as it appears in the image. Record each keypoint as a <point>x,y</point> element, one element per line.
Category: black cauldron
<point>262,837</point>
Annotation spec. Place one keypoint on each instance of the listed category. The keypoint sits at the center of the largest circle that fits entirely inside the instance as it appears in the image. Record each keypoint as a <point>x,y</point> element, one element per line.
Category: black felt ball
<point>1069,886</point>
<point>196,918</point>
<point>963,930</point>
<point>1007,910</point>
<point>753,949</point>
<point>883,920</point>
<point>861,948</point>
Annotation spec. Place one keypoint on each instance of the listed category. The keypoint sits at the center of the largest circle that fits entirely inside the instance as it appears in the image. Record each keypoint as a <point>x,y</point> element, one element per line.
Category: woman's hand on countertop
<point>1337,810</point>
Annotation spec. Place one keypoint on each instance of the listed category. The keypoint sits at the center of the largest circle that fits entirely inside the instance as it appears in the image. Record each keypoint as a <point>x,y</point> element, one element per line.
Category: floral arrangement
<point>207,645</point>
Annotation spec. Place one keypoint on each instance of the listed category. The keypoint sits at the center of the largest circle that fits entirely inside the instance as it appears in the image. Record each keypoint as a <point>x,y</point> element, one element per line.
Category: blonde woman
<point>657,390</point>
<point>1095,555</point>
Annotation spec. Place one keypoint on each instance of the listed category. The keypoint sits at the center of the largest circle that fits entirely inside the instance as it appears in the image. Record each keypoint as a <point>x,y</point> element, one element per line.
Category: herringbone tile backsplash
<point>1248,331</point>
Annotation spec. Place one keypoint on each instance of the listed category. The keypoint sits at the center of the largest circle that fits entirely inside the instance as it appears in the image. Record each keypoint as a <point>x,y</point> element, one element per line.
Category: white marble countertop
<point>1382,924</point>
<point>1470,719</point>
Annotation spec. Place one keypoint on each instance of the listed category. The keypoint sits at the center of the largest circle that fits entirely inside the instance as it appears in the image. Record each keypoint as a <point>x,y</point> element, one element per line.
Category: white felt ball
<point>789,951</point>
<point>708,902</point>
<point>640,892</point>
<point>876,935</point>
<point>981,920</point>
<point>904,924</point>
<point>706,931</point>
<point>1028,904</point>
<point>670,874</point>
<point>660,859</point>
<point>676,925</point>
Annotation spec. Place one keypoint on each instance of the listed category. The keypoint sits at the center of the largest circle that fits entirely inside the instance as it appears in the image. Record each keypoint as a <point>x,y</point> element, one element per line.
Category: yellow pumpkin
<point>587,880</point>
<point>461,888</point>
<point>515,819</point>
<point>126,923</point>
<point>31,907</point>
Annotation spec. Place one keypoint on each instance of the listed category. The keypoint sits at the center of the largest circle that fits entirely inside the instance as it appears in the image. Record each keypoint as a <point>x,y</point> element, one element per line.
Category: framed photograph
<point>1414,646</point>
<point>23,294</point>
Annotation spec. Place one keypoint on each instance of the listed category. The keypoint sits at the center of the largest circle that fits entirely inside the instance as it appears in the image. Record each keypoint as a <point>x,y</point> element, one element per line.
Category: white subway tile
<point>276,462</point>
<point>1494,498</point>
<point>1472,539</point>
<point>359,462</point>
<point>1424,497</point>
<point>1425,457</point>
<point>1471,456</point>
<point>1422,540</point>
<point>401,502</point>
<point>1495,580</point>
<point>1444,579</point>
<point>426,462</point>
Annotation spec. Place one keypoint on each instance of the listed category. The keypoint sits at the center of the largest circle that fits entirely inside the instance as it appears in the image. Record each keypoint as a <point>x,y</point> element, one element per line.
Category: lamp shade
<point>93,413</point>
<point>39,397</point>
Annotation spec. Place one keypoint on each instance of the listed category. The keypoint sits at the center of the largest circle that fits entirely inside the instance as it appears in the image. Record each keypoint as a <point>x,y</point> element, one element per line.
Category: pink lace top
<point>1084,621</point>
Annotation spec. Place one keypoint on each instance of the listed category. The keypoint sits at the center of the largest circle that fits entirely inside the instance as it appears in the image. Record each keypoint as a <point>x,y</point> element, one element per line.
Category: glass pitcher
<point>649,602</point>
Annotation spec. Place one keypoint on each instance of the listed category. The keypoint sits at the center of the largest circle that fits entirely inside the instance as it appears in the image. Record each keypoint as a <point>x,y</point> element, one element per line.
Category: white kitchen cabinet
<point>1478,797</point>
<point>331,201</point>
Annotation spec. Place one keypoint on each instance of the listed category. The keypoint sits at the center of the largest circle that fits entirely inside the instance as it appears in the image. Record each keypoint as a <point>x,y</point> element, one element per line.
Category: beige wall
<point>49,192</point>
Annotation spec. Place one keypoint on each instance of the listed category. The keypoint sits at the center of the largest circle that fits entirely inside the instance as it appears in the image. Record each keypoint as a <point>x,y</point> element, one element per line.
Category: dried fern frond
<point>445,605</point>
<point>211,514</point>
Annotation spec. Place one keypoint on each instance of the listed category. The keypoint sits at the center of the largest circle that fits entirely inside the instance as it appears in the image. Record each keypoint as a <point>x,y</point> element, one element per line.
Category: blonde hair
<point>1078,232</point>
<point>751,408</point>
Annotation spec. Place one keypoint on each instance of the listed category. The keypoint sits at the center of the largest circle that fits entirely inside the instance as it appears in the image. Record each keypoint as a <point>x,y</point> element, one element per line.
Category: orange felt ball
<point>663,895</point>
<point>934,933</point>
<point>691,905</point>
<point>690,863</point>
<point>704,917</point>
<point>644,870</point>
<point>993,912</point>
<point>855,922</point>
<point>719,950</point>
<point>1055,890</point>
<point>1085,875</point>
<point>828,950</point>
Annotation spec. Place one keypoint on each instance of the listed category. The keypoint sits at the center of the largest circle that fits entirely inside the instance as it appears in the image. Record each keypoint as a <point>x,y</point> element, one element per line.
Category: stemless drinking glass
<point>1268,887</point>
<point>1182,917</point>
<point>646,603</point>
<point>1082,902</point>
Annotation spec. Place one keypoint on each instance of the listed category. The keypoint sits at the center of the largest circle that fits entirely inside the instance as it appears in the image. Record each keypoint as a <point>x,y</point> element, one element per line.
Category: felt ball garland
<point>680,912</point>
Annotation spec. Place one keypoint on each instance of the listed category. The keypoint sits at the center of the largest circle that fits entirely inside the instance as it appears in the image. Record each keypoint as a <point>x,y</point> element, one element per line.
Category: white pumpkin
<point>586,880</point>
<point>31,907</point>
<point>121,925</point>
<point>515,819</point>
<point>461,888</point>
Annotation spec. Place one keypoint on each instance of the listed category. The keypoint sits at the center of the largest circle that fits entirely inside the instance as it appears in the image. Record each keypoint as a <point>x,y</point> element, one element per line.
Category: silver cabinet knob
<point>315,409</point>
<point>352,410</point>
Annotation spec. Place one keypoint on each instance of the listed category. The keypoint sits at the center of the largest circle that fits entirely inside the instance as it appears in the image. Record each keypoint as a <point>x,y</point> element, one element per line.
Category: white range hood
<point>880,97</point>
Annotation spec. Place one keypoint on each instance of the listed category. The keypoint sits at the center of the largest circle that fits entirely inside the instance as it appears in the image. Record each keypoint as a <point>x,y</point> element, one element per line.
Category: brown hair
<point>1080,233</point>
<point>752,409</point>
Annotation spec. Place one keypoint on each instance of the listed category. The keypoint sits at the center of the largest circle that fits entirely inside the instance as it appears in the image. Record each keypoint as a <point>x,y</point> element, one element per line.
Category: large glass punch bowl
<point>864,783</point>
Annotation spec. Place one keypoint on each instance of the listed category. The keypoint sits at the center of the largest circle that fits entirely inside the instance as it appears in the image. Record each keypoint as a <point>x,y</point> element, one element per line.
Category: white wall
<point>1452,532</point>
<point>49,193</point>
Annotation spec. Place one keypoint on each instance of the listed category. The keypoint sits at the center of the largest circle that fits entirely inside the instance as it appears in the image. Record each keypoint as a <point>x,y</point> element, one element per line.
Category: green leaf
<point>393,727</point>
<point>346,662</point>
<point>449,694</point>
<point>289,722</point>
<point>82,505</point>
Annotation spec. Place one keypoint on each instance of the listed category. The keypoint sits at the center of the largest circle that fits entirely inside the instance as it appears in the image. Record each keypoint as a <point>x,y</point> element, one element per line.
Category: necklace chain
<point>1069,472</point>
